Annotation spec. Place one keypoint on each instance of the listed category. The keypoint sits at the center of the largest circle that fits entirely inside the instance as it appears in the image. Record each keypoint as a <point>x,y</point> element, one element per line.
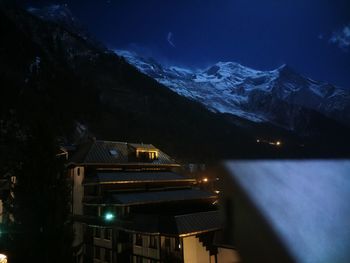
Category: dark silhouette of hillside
<point>42,62</point>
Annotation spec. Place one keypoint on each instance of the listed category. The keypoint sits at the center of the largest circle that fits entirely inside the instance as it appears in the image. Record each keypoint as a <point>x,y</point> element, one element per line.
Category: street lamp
<point>3,258</point>
<point>108,217</point>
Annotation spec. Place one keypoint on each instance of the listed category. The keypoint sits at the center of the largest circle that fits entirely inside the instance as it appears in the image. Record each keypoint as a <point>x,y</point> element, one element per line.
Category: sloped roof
<point>143,146</point>
<point>113,153</point>
<point>179,225</point>
<point>138,198</point>
<point>161,196</point>
<point>100,152</point>
<point>123,177</point>
<point>197,222</point>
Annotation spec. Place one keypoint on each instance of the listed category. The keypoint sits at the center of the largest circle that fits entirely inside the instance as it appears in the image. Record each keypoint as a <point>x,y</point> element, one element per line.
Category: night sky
<point>312,36</point>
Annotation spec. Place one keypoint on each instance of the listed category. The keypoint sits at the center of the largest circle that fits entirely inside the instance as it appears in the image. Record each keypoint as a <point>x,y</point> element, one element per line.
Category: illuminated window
<point>146,155</point>
<point>152,155</point>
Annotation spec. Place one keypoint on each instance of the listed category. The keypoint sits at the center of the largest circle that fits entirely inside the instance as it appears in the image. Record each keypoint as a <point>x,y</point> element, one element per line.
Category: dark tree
<point>41,229</point>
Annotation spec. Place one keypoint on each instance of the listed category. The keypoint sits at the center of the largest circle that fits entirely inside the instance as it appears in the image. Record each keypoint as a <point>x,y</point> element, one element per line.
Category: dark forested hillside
<point>46,68</point>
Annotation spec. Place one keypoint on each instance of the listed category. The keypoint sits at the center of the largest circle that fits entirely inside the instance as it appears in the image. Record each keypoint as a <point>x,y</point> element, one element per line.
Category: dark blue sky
<point>312,36</point>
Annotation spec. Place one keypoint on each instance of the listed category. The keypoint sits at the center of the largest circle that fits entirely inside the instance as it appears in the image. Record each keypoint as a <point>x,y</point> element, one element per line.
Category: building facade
<point>130,203</point>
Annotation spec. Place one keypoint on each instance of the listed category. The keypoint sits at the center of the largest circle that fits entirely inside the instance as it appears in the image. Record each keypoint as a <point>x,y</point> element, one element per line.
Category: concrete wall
<point>1,211</point>
<point>227,255</point>
<point>78,190</point>
<point>194,251</point>
<point>77,205</point>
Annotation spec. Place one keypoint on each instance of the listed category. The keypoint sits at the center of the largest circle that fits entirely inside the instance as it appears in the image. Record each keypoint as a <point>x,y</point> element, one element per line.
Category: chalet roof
<point>143,146</point>
<point>139,198</point>
<point>197,222</point>
<point>305,203</point>
<point>115,153</point>
<point>161,196</point>
<point>125,177</point>
<point>178,225</point>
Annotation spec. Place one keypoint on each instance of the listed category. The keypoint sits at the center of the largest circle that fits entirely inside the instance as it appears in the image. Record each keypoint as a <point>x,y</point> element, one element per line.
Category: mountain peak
<point>229,87</point>
<point>55,13</point>
<point>227,64</point>
<point>62,16</point>
<point>286,68</point>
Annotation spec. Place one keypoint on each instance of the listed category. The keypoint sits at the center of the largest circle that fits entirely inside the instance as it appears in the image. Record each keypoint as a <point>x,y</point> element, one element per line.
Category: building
<point>287,210</point>
<point>131,204</point>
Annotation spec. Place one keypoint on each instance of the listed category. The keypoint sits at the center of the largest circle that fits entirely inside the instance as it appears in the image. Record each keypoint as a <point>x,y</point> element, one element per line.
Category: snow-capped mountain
<point>278,96</point>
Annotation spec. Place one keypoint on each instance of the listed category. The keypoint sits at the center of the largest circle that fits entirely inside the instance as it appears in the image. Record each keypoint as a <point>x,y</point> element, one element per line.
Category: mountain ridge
<point>47,67</point>
<point>228,87</point>
<point>73,81</point>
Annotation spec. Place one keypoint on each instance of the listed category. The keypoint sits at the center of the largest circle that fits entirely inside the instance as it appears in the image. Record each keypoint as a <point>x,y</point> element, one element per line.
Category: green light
<point>109,216</point>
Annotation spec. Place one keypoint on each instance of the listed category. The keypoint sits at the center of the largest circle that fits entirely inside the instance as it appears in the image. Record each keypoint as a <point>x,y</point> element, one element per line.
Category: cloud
<point>170,39</point>
<point>341,38</point>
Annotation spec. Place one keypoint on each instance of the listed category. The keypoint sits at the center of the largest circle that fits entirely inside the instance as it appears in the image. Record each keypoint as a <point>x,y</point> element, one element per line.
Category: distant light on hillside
<point>275,143</point>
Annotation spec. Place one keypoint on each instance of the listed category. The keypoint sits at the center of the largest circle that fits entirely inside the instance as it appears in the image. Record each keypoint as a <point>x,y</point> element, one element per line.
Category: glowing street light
<point>3,258</point>
<point>205,180</point>
<point>109,216</point>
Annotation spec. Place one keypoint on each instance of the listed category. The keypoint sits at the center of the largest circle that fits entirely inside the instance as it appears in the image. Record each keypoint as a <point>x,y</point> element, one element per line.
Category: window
<point>138,240</point>
<point>97,232</point>
<point>144,155</point>
<point>107,255</point>
<point>107,233</point>
<point>167,242</point>
<point>153,242</point>
<point>113,152</point>
<point>97,252</point>
<point>152,155</point>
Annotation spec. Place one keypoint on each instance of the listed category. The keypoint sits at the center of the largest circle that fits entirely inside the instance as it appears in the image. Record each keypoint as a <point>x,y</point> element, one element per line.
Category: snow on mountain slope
<point>259,96</point>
